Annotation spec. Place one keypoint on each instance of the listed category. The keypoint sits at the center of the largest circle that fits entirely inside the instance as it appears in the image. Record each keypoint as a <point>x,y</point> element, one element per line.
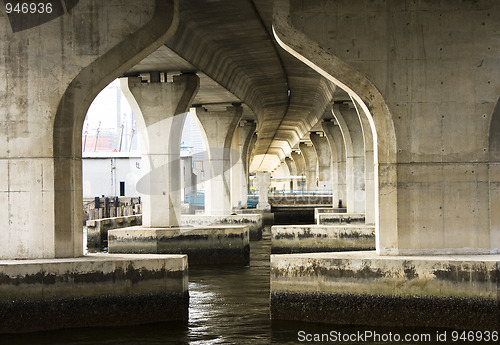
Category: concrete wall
<point>435,64</point>
<point>102,176</point>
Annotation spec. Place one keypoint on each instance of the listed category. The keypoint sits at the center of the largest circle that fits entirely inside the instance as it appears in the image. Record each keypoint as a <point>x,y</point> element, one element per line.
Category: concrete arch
<point>353,149</point>
<point>324,153</point>
<point>333,135</point>
<point>294,185</point>
<point>371,101</point>
<point>71,114</point>
<point>494,178</point>
<point>369,171</point>
<point>311,165</point>
<point>300,166</point>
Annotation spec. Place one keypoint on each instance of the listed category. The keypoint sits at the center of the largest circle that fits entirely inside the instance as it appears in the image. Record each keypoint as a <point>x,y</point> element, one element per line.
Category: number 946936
<point>28,8</point>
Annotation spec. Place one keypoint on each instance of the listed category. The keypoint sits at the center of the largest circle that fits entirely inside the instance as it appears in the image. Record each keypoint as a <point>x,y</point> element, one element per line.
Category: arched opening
<point>194,171</point>
<point>111,166</point>
<point>371,104</point>
<point>68,123</point>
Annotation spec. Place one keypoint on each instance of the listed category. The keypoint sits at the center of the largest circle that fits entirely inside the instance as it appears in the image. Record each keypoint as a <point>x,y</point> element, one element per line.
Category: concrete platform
<point>267,216</point>
<point>330,218</point>
<point>361,288</point>
<point>94,290</point>
<point>289,239</point>
<point>97,229</point>
<point>254,222</point>
<point>210,245</point>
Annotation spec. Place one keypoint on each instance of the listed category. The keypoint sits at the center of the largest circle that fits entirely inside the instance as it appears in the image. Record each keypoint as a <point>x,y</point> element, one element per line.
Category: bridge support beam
<point>163,107</point>
<point>350,126</point>
<point>300,165</point>
<point>334,137</point>
<point>293,172</point>
<point>311,160</point>
<point>239,172</point>
<point>219,126</point>
<point>324,153</point>
<point>263,180</point>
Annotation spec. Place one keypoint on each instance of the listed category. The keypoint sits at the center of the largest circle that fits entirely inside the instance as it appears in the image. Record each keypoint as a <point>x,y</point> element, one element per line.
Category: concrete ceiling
<point>229,43</point>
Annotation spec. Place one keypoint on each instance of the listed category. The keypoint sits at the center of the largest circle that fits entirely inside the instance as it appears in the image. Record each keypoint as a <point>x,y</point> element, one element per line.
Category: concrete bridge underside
<point>420,80</point>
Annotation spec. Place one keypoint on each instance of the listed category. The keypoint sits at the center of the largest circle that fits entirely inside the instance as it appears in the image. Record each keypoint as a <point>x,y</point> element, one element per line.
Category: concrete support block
<point>362,288</point>
<point>95,290</point>
<point>211,245</point>
<point>339,218</point>
<point>263,180</point>
<point>267,216</point>
<point>254,222</point>
<point>97,229</point>
<point>288,239</point>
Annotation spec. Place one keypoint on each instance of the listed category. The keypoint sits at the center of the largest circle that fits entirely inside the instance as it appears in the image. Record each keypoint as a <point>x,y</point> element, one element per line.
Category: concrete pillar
<point>163,107</point>
<point>311,160</point>
<point>349,124</point>
<point>263,181</point>
<point>370,166</point>
<point>293,172</point>
<point>239,172</point>
<point>50,75</point>
<point>219,126</point>
<point>324,153</point>
<point>300,164</point>
<point>334,137</point>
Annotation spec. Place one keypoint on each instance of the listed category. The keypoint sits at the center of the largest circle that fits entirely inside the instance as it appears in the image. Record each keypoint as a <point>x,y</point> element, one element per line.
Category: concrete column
<point>300,164</point>
<point>50,73</point>
<point>239,172</point>
<point>219,126</point>
<point>163,107</point>
<point>334,137</point>
<point>311,160</point>
<point>281,171</point>
<point>349,124</point>
<point>263,181</point>
<point>293,172</point>
<point>324,153</point>
<point>370,166</point>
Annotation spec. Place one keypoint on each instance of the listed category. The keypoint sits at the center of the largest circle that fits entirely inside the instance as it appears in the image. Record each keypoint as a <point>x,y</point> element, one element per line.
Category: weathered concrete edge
<point>287,239</point>
<point>208,245</point>
<point>94,290</point>
<point>304,287</point>
<point>255,222</point>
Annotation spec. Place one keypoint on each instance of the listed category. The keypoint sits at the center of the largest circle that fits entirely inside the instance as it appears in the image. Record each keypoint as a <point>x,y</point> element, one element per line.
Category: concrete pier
<point>362,288</point>
<point>289,239</point>
<point>95,290</point>
<point>267,216</point>
<point>254,222</point>
<point>210,245</point>
<point>97,229</point>
<point>330,218</point>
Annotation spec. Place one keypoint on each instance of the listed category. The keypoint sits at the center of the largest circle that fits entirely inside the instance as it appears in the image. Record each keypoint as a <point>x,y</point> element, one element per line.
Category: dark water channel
<point>228,305</point>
